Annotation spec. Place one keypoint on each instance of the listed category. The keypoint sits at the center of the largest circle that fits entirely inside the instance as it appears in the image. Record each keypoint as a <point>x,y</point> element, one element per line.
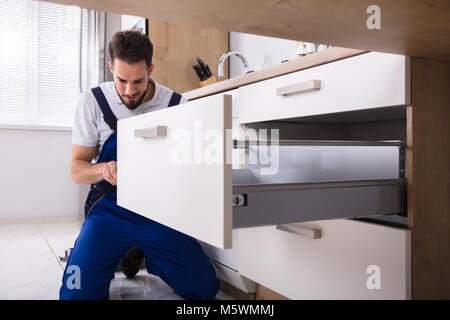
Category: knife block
<point>208,81</point>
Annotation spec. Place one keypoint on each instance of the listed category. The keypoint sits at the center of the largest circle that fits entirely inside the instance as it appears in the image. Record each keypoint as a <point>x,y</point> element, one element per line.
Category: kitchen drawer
<point>350,260</point>
<point>317,180</point>
<point>226,257</point>
<point>175,167</point>
<point>365,81</point>
<point>172,167</point>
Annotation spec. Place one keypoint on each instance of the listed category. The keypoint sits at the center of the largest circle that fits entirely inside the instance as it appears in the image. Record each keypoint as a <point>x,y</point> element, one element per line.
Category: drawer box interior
<point>351,166</point>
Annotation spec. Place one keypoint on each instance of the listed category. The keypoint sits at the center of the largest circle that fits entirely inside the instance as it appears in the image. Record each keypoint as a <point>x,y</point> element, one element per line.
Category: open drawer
<point>317,180</point>
<point>175,167</point>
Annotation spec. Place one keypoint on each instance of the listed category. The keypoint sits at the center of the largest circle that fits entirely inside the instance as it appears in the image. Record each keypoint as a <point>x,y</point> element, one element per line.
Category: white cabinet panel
<point>172,168</point>
<point>366,81</point>
<point>351,260</point>
<point>226,257</point>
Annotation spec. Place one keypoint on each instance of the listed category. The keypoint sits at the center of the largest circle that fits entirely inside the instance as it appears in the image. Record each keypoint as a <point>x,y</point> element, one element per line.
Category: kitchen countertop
<point>312,60</point>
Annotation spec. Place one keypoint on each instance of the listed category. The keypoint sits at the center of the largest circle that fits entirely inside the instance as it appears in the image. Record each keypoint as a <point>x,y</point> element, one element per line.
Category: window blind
<point>43,58</point>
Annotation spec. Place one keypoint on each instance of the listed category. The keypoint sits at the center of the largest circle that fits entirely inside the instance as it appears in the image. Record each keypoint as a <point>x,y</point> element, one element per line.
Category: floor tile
<point>60,236</point>
<point>11,232</point>
<point>31,270</point>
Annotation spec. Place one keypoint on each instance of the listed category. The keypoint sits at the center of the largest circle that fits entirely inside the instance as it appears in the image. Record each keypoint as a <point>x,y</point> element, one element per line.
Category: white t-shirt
<point>90,129</point>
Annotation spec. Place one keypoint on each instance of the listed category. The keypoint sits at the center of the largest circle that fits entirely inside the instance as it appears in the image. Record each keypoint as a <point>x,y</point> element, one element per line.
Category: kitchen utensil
<point>200,73</point>
<point>205,68</point>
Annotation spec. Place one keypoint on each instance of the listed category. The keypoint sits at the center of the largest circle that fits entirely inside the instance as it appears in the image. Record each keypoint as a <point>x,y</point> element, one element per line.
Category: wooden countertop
<point>312,60</point>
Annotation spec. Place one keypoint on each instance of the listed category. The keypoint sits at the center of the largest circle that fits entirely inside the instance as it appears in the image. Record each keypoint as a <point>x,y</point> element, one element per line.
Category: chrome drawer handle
<point>151,132</point>
<point>312,233</point>
<point>299,87</point>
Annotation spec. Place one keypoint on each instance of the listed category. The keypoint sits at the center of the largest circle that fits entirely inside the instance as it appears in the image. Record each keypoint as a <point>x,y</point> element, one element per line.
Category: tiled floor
<point>31,270</point>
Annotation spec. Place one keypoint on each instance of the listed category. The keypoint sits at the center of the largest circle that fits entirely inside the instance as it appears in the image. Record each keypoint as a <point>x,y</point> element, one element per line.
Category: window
<point>43,62</point>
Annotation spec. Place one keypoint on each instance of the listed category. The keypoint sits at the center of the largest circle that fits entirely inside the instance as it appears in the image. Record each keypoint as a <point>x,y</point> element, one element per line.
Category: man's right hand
<point>84,172</point>
<point>110,172</point>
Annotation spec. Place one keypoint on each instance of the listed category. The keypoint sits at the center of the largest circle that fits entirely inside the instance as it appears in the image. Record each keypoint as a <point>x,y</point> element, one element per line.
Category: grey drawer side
<point>271,204</point>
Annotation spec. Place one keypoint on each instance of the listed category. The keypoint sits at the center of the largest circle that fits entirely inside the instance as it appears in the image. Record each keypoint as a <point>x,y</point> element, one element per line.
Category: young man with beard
<point>110,231</point>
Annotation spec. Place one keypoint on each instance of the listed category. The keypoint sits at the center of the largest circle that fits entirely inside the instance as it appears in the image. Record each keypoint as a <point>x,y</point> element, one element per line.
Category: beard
<point>133,105</point>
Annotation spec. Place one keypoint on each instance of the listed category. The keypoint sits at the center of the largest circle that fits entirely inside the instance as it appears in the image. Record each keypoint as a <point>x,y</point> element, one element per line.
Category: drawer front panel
<point>226,257</point>
<point>349,260</point>
<point>172,168</point>
<point>366,81</point>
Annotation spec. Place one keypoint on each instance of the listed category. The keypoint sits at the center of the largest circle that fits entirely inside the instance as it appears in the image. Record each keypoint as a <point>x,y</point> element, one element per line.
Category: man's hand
<point>84,172</point>
<point>110,172</point>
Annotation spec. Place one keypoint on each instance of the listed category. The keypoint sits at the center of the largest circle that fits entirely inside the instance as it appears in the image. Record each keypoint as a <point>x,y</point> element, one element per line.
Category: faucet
<point>226,55</point>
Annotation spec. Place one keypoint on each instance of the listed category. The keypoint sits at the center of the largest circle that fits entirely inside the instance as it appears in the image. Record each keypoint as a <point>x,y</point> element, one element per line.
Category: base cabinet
<point>346,259</point>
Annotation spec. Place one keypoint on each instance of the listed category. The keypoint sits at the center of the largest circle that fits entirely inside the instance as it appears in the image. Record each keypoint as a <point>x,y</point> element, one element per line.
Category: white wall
<point>260,51</point>
<point>35,178</point>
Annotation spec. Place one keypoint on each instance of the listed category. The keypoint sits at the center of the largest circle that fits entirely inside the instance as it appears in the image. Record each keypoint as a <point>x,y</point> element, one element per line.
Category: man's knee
<point>69,293</point>
<point>202,287</point>
<point>208,289</point>
<point>79,284</point>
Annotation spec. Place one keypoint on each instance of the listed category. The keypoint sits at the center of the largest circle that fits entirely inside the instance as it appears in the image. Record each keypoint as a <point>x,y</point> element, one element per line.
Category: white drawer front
<point>366,81</point>
<point>342,264</point>
<point>180,179</point>
<point>226,257</point>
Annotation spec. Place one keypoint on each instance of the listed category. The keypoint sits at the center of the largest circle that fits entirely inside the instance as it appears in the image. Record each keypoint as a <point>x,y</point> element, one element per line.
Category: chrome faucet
<point>226,55</point>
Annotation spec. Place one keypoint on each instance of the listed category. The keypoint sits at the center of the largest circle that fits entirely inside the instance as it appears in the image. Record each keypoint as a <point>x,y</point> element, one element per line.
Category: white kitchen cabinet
<point>175,167</point>
<point>349,260</point>
<point>247,219</point>
<point>365,81</point>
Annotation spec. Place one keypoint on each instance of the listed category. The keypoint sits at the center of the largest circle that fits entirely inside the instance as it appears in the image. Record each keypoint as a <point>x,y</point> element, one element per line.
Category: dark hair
<point>131,46</point>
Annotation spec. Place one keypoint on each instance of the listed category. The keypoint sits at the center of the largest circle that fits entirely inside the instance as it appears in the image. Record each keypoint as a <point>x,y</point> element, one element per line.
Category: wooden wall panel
<point>176,48</point>
<point>428,158</point>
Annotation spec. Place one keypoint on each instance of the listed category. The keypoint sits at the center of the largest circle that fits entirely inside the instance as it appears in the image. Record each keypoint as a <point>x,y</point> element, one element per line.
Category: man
<point>109,231</point>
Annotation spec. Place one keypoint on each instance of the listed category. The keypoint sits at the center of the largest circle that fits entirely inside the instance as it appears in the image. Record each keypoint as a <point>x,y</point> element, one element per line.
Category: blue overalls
<point>109,231</point>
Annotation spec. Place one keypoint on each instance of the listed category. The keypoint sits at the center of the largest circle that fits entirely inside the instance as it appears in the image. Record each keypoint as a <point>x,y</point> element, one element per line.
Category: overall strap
<point>175,99</point>
<point>108,115</point>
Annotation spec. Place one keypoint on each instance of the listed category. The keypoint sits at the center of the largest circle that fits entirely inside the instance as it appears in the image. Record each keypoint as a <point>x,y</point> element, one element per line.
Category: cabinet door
<point>173,168</point>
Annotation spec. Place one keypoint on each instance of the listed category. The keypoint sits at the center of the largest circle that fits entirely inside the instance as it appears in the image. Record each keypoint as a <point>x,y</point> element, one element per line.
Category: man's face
<point>131,81</point>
